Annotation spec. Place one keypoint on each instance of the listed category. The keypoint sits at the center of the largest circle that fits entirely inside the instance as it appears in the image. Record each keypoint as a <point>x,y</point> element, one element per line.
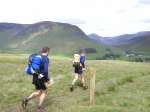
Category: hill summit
<point>61,37</point>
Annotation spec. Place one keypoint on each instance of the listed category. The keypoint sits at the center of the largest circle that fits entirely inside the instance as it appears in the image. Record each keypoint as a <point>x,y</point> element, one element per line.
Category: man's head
<point>45,50</point>
<point>82,52</point>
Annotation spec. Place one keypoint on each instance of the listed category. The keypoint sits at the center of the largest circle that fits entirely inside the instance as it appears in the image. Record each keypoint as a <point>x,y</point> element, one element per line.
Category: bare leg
<point>75,79</point>
<point>42,97</point>
<point>73,82</point>
<point>83,80</point>
<point>34,94</point>
<point>25,101</point>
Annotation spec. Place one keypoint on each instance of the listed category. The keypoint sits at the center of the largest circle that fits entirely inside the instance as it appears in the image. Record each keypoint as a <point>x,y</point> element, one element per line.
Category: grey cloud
<point>146,20</point>
<point>145,2</point>
<point>142,3</point>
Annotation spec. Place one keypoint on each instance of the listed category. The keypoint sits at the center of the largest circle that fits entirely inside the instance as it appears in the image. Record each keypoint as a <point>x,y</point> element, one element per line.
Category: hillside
<point>125,89</point>
<point>139,42</point>
<point>95,37</point>
<point>61,37</point>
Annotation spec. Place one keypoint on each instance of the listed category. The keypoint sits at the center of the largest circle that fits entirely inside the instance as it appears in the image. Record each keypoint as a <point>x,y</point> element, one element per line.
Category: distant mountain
<point>99,39</point>
<point>137,42</point>
<point>127,39</point>
<point>95,37</point>
<point>61,37</point>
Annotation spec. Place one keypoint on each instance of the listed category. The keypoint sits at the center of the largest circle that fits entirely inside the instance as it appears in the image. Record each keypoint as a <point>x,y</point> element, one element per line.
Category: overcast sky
<point>104,17</point>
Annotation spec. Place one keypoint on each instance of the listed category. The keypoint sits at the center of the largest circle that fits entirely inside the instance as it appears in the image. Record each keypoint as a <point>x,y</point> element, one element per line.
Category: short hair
<point>45,49</point>
<point>82,51</point>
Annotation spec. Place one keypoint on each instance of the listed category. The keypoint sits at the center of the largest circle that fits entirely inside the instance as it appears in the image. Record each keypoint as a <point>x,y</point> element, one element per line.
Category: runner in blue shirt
<point>40,77</point>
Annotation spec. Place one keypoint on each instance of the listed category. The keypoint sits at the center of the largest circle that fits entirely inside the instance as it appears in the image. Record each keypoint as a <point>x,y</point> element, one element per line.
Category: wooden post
<point>92,86</point>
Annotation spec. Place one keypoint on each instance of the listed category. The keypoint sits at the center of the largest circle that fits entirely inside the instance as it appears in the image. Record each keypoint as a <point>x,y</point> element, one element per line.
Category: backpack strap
<point>42,63</point>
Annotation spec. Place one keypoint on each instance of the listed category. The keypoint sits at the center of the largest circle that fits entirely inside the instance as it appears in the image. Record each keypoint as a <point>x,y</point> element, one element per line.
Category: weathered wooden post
<point>92,86</point>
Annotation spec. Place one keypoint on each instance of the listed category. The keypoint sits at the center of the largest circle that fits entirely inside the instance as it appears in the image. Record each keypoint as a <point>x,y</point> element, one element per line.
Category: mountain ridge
<point>61,37</point>
<point>139,42</point>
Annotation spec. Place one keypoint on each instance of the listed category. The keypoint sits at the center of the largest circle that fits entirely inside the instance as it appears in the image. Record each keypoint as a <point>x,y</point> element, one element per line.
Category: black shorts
<point>78,71</point>
<point>39,83</point>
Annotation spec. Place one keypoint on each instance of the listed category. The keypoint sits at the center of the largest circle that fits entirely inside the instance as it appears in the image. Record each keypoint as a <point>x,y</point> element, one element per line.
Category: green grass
<point>120,86</point>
